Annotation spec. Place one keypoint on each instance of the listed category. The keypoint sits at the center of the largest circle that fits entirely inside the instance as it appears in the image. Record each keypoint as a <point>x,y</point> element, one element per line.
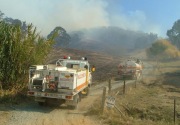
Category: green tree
<point>162,50</point>
<point>1,15</point>
<point>62,37</point>
<point>19,50</point>
<point>174,34</point>
<point>17,22</point>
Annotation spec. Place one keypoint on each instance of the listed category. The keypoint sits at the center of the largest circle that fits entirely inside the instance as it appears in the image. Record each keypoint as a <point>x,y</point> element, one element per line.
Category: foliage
<point>18,22</point>
<point>62,37</point>
<point>1,15</point>
<point>12,21</point>
<point>19,50</point>
<point>174,34</point>
<point>163,49</point>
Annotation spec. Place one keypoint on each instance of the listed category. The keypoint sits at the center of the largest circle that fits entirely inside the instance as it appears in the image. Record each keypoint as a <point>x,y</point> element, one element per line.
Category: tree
<point>17,22</point>
<point>19,50</point>
<point>62,38</point>
<point>1,15</point>
<point>12,21</point>
<point>174,34</point>
<point>163,50</point>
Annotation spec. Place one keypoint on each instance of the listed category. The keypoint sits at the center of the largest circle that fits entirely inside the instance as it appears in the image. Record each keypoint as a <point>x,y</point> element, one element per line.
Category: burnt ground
<point>106,65</point>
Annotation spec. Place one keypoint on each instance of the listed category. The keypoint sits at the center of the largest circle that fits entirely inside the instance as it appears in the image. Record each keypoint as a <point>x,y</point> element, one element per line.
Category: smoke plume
<point>74,15</point>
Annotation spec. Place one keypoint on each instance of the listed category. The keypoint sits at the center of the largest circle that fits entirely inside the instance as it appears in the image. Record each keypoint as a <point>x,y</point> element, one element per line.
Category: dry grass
<point>150,103</point>
<point>15,95</point>
<point>105,64</point>
<point>146,104</point>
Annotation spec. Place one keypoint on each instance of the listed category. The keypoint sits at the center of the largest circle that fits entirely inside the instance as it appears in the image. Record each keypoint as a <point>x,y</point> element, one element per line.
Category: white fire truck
<point>64,82</point>
<point>130,69</point>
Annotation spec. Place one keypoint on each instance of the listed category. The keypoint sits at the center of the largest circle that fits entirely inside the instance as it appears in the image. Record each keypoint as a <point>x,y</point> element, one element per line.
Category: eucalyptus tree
<point>62,38</point>
<point>174,34</point>
<point>162,49</point>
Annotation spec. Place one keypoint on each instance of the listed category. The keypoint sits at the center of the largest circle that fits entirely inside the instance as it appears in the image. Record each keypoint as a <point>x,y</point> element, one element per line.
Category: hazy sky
<point>155,16</point>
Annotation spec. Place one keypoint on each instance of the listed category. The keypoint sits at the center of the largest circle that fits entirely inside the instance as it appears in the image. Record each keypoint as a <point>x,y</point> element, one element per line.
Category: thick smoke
<point>74,15</point>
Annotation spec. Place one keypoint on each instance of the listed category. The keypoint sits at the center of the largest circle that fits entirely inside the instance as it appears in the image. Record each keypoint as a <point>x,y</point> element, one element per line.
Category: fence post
<point>124,87</point>
<point>103,100</point>
<point>135,82</point>
<point>174,111</point>
<point>109,86</point>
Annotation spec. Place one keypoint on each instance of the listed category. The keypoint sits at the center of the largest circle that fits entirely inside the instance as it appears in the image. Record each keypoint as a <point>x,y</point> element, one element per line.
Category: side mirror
<point>93,69</point>
<point>86,67</point>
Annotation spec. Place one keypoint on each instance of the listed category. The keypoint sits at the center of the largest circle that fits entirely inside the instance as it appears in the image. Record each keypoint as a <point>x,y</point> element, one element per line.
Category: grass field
<point>150,103</point>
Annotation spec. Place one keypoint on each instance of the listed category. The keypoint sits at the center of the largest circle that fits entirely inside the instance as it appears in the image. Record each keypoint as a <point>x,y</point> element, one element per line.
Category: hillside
<point>105,64</point>
<point>111,40</point>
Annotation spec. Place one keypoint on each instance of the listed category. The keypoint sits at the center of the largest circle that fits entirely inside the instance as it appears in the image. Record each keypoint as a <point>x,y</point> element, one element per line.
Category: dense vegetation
<point>62,38</point>
<point>163,50</point>
<point>174,34</point>
<point>18,50</point>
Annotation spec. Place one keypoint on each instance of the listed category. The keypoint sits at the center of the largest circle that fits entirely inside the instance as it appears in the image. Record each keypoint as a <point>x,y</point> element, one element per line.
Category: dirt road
<point>33,114</point>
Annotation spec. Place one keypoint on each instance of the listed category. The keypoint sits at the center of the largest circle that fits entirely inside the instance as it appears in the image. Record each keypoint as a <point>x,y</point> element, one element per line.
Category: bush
<point>163,50</point>
<point>18,50</point>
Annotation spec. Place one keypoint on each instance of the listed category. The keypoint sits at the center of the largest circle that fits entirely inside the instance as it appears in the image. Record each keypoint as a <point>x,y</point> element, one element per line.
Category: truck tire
<point>80,96</point>
<point>76,101</point>
<point>87,91</point>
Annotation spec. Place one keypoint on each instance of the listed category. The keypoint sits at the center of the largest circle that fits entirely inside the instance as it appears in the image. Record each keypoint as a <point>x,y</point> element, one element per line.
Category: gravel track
<point>33,114</point>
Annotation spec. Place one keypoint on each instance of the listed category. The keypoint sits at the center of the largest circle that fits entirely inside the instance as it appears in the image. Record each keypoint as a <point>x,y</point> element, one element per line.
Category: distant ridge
<point>111,40</point>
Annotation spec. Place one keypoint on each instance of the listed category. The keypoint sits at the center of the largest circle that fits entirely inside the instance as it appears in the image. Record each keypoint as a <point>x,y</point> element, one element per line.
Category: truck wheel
<point>75,102</point>
<point>87,91</point>
<point>80,96</point>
